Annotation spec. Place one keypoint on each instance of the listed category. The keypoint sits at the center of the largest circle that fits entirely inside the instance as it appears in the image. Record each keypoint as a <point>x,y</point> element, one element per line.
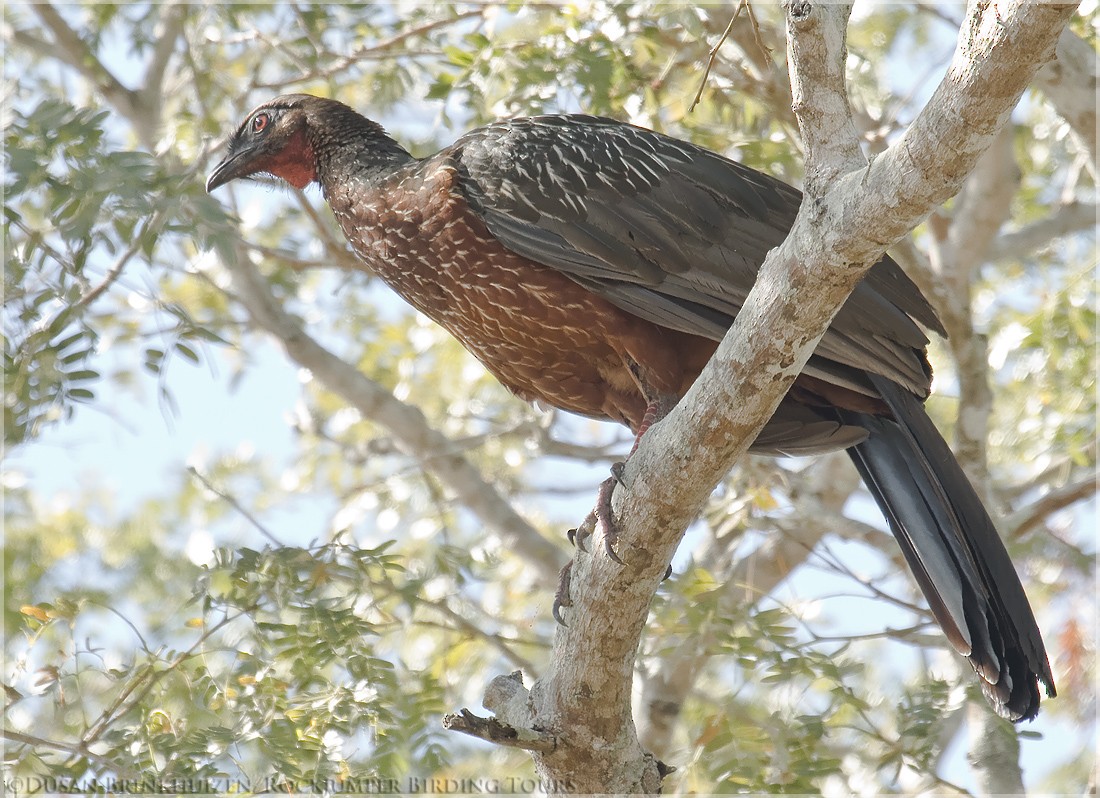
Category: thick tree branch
<point>958,248</point>
<point>140,106</point>
<point>1063,220</point>
<point>1070,83</point>
<point>820,93</point>
<point>840,232</point>
<point>1032,515</point>
<point>406,422</point>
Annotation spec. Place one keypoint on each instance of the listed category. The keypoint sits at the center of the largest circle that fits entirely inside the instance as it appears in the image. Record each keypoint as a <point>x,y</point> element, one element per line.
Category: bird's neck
<point>348,146</point>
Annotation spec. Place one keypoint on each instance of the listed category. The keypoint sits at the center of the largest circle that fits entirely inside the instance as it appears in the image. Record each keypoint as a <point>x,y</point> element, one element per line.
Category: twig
<point>498,642</point>
<point>116,270</point>
<point>78,749</point>
<point>493,731</point>
<point>236,505</point>
<point>112,711</point>
<point>393,43</point>
<point>125,620</point>
<point>713,54</point>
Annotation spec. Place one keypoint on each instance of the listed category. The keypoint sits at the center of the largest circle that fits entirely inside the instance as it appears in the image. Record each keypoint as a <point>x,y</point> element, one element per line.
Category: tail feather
<point>954,551</point>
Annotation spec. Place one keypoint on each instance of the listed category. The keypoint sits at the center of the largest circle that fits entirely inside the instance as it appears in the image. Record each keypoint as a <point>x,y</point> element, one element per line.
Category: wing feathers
<point>670,231</point>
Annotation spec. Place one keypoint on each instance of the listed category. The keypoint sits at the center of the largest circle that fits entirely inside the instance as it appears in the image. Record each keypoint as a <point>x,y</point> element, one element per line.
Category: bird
<point>592,265</point>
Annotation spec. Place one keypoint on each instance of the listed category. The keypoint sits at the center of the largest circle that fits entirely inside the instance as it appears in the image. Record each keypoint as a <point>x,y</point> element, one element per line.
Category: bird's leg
<point>602,514</point>
<point>655,410</point>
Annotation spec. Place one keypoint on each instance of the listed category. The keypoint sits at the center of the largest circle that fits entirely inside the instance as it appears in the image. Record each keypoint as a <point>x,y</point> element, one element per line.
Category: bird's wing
<point>672,233</point>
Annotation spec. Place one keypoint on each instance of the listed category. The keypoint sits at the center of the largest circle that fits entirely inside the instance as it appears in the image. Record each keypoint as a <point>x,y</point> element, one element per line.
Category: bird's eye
<point>260,122</point>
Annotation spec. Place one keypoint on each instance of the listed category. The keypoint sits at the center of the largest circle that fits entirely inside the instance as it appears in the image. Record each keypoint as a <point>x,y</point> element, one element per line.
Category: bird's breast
<point>541,334</point>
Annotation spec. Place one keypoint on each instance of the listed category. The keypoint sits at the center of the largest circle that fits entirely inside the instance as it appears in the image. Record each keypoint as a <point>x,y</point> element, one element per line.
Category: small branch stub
<point>494,731</point>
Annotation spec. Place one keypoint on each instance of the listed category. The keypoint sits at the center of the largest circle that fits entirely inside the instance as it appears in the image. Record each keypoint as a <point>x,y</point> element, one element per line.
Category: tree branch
<point>1027,518</point>
<point>820,94</point>
<point>493,731</point>
<point>958,248</point>
<point>1069,82</point>
<point>1065,219</point>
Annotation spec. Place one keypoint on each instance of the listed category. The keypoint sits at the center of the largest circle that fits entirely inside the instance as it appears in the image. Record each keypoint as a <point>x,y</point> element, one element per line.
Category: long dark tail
<point>954,550</point>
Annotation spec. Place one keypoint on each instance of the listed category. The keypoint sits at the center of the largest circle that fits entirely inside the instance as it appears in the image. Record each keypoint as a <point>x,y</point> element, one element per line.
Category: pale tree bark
<point>576,718</point>
<point>959,243</point>
<point>1070,82</point>
<point>994,753</point>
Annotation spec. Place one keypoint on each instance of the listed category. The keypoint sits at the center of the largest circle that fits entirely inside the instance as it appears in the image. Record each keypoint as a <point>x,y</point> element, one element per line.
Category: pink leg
<point>654,412</point>
<point>603,514</point>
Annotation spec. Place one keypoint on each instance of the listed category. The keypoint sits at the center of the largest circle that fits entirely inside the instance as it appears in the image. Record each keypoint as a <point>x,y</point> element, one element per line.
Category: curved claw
<point>617,471</point>
<point>668,572</point>
<point>555,611</point>
<point>571,536</point>
<point>561,595</point>
<point>609,548</point>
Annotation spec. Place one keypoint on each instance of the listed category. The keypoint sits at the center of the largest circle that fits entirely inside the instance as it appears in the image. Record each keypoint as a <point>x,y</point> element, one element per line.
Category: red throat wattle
<point>294,163</point>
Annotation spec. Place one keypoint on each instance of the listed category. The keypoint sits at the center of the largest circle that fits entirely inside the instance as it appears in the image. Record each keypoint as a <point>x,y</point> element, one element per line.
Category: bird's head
<point>273,139</point>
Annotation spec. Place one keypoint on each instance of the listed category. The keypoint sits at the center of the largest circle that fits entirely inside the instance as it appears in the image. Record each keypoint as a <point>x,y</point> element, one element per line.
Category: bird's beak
<point>236,164</point>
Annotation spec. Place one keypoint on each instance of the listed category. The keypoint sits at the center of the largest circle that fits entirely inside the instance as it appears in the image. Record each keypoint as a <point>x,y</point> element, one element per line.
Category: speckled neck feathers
<point>349,148</point>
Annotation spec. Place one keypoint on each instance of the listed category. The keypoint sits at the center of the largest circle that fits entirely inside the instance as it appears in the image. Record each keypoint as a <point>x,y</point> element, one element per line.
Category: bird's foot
<point>561,595</point>
<point>579,536</point>
<point>603,516</point>
<point>604,513</point>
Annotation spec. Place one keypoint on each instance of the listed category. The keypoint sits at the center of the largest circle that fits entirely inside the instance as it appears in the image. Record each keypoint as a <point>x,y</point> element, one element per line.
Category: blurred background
<point>221,562</point>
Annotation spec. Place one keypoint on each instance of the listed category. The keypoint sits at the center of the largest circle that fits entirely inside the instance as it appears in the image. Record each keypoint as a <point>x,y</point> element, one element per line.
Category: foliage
<point>301,617</point>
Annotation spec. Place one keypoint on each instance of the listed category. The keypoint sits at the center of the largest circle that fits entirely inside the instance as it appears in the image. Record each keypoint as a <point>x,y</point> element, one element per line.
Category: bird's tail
<point>954,551</point>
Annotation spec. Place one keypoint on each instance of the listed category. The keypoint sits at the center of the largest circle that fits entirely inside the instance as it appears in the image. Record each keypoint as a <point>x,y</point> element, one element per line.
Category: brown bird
<point>593,266</point>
